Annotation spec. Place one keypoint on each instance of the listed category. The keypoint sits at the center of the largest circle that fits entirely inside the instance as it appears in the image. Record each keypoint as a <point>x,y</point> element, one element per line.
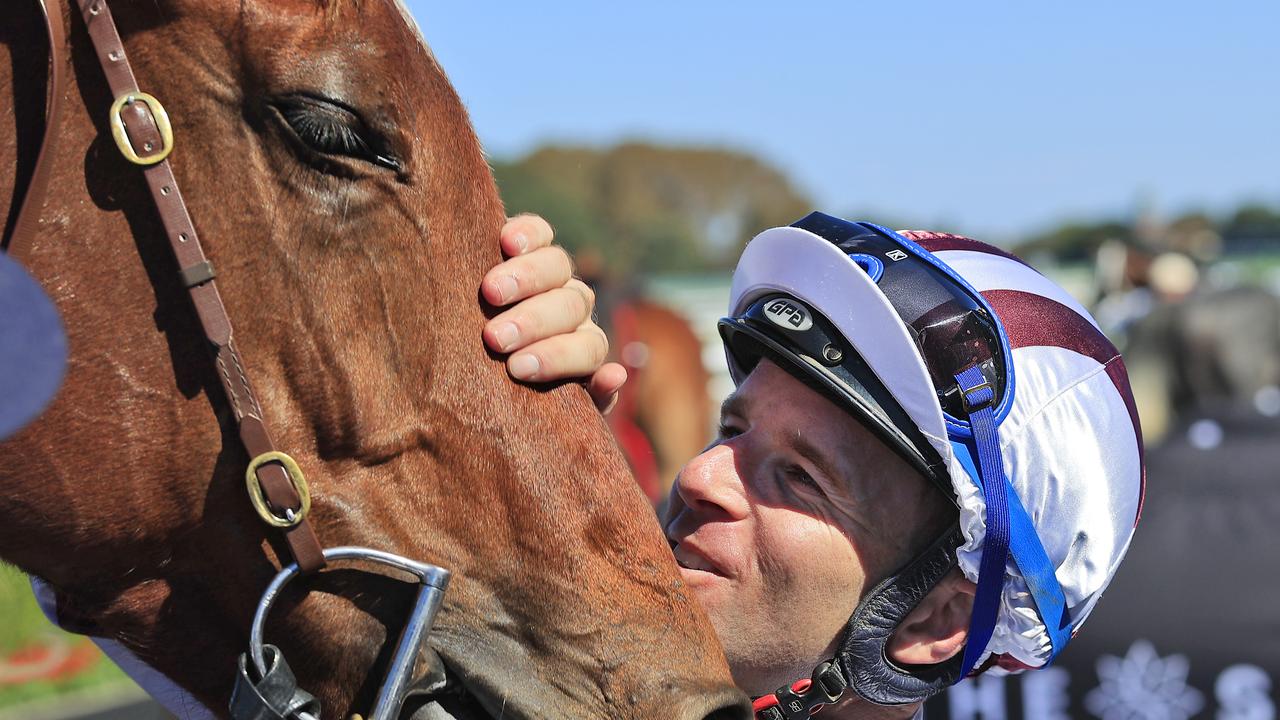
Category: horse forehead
<point>397,14</point>
<point>332,10</point>
<point>408,17</point>
<point>415,30</point>
<point>365,52</point>
<point>402,10</point>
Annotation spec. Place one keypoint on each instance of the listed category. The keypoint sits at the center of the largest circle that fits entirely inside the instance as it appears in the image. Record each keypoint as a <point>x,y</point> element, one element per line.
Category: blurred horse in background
<point>663,416</point>
<point>346,204</point>
<point>1213,351</point>
<point>1193,348</point>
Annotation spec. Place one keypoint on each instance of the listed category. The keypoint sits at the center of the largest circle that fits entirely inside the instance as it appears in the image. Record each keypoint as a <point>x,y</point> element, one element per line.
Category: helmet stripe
<point>985,273</point>
<point>936,242</point>
<point>1035,320</point>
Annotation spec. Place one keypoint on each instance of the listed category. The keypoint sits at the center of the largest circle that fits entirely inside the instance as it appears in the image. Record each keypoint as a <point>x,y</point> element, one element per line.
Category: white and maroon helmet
<point>991,380</point>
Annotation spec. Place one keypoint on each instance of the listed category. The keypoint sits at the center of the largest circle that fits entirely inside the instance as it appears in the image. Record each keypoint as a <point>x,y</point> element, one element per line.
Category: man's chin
<point>713,591</point>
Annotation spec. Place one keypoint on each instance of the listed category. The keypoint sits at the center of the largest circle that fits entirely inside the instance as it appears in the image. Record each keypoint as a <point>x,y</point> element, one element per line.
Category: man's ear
<point>937,628</point>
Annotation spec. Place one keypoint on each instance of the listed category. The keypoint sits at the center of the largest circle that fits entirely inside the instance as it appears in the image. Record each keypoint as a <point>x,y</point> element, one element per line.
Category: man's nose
<point>710,485</point>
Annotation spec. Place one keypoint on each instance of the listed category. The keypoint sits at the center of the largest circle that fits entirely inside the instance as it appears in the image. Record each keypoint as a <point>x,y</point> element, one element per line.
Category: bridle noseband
<point>265,687</point>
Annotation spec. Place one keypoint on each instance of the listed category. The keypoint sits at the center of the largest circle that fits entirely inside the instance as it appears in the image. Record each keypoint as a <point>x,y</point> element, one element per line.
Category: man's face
<point>781,525</point>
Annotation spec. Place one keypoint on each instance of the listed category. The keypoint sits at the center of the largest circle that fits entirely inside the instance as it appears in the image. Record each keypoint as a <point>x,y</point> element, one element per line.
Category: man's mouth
<point>690,559</point>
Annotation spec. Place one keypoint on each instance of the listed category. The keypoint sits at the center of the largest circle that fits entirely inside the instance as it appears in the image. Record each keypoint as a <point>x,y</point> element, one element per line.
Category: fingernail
<point>522,241</point>
<point>524,366</point>
<point>507,334</point>
<point>506,288</point>
<point>613,402</point>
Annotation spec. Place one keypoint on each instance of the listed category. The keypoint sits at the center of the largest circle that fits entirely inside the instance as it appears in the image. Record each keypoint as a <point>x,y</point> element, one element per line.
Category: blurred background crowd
<point>1130,153</point>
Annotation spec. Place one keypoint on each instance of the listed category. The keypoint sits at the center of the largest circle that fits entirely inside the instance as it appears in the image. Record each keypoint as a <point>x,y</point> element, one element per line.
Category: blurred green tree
<point>1075,241</point>
<point>646,208</point>
<point>1253,220</point>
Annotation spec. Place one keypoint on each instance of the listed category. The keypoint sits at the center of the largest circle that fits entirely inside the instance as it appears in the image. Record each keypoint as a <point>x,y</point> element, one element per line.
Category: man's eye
<point>727,431</point>
<point>795,473</point>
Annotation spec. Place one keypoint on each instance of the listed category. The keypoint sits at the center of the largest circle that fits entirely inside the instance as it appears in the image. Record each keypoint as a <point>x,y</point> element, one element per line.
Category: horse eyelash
<point>331,136</point>
<point>325,135</point>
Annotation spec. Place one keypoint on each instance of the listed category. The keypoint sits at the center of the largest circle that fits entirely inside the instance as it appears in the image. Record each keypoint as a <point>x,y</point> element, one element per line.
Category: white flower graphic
<point>1143,686</point>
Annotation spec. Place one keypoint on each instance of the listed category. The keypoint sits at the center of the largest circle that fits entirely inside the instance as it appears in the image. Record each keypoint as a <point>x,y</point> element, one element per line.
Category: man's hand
<point>549,329</point>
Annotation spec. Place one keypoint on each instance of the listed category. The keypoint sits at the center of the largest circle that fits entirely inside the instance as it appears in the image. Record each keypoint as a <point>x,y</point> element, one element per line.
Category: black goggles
<point>817,354</point>
<point>949,322</point>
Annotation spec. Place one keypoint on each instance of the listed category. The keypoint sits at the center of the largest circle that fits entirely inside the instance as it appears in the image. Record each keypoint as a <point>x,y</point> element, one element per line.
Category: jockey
<point>931,466</point>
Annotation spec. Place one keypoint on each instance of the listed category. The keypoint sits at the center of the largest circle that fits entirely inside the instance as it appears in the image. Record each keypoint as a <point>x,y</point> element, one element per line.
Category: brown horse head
<point>344,200</point>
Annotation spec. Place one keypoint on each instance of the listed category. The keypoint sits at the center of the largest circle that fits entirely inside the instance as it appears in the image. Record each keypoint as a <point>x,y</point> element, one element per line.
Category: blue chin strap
<point>1009,531</point>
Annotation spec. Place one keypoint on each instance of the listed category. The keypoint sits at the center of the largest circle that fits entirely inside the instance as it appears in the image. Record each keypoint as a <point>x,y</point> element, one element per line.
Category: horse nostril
<point>729,712</point>
<point>729,704</point>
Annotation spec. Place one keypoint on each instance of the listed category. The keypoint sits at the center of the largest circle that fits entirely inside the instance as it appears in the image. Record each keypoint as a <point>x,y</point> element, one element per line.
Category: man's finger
<point>555,312</point>
<point>588,294</point>
<point>575,355</point>
<point>605,385</point>
<point>527,275</point>
<point>523,234</point>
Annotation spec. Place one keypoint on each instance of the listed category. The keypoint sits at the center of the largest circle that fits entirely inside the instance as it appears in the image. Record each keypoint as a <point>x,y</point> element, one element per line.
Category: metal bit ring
<point>433,581</point>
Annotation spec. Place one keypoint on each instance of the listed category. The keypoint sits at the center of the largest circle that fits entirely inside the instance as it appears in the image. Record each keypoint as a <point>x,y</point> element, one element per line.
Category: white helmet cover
<point>1070,441</point>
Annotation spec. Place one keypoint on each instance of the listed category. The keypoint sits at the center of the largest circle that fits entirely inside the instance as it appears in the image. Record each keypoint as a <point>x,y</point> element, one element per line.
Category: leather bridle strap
<point>144,128</point>
<point>142,132</point>
<point>28,220</point>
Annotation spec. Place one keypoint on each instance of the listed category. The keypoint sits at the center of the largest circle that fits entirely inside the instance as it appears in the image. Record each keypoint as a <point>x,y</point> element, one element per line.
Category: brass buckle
<point>162,124</point>
<point>964,396</point>
<point>260,501</point>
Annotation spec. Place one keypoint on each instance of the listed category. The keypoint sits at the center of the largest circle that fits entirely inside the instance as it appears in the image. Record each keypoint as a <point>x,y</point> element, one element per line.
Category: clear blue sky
<point>989,118</point>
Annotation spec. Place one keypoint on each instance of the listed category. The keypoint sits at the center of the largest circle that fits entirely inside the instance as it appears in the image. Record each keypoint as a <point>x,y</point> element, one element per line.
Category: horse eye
<point>330,128</point>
